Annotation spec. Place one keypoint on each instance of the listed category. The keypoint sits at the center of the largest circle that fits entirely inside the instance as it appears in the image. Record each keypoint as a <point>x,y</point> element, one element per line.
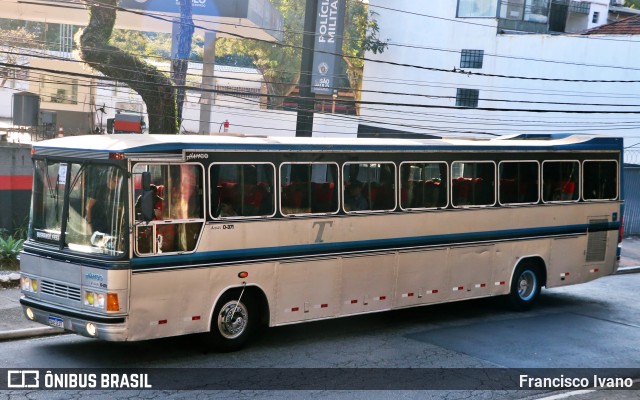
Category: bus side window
<point>560,180</point>
<point>472,183</point>
<point>308,188</point>
<point>243,190</point>
<point>518,182</point>
<point>600,180</point>
<point>423,185</point>
<point>369,186</point>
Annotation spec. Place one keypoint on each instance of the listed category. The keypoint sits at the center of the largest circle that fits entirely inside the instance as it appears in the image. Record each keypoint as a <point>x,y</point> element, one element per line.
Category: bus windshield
<point>92,216</point>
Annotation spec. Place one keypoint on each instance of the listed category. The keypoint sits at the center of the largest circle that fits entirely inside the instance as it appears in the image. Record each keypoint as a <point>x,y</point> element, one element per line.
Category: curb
<point>30,332</point>
<point>628,270</point>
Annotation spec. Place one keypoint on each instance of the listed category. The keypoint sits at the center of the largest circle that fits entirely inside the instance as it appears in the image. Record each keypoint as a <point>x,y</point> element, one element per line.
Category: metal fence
<point>631,199</point>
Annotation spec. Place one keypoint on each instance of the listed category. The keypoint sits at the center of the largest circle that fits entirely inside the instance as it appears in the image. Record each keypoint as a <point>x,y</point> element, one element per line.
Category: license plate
<point>56,322</point>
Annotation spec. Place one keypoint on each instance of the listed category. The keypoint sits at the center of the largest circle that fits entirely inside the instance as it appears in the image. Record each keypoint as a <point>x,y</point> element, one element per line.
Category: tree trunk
<point>181,61</point>
<point>151,84</point>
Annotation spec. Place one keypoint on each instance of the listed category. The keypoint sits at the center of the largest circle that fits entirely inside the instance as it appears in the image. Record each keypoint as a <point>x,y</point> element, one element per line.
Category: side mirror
<point>146,181</point>
<point>147,200</point>
<point>146,208</point>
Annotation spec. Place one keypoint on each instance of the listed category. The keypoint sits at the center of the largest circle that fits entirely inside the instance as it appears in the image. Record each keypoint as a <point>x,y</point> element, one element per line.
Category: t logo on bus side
<point>321,225</point>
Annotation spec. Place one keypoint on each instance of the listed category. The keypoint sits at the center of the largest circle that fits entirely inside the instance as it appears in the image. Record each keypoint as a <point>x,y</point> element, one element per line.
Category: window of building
<point>596,17</point>
<point>512,9</point>
<point>467,98</point>
<point>524,10</point>
<point>308,188</point>
<point>471,58</point>
<point>580,7</point>
<point>476,8</point>
<point>473,183</point>
<point>423,185</point>
<point>600,180</point>
<point>560,180</point>
<point>242,190</point>
<point>369,186</point>
<point>519,182</point>
<point>59,89</point>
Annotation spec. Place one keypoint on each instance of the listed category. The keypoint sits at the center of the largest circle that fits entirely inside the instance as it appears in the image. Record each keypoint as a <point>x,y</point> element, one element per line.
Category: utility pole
<point>306,103</point>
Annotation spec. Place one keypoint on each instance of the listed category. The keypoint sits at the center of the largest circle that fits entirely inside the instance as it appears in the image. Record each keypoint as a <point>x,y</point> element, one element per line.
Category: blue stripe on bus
<point>374,148</point>
<point>368,245</point>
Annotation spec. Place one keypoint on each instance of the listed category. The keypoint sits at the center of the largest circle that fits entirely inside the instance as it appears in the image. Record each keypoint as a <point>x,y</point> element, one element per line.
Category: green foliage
<point>632,4</point>
<point>280,65</point>
<point>361,34</point>
<point>9,248</point>
<point>12,42</point>
<point>22,229</point>
<point>155,88</point>
<point>153,44</point>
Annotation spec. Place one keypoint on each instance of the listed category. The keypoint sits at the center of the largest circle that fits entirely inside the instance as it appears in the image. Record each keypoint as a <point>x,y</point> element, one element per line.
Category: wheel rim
<point>527,284</point>
<point>232,320</point>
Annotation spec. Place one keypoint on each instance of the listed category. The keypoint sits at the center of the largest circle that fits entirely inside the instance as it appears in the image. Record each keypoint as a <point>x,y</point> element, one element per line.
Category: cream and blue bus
<point>134,237</point>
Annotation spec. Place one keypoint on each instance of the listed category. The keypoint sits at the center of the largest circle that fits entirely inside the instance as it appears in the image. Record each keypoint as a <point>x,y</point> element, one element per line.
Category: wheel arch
<point>538,261</point>
<point>252,291</point>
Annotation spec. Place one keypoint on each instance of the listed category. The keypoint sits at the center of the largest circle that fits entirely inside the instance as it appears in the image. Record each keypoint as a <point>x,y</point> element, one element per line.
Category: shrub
<point>9,248</point>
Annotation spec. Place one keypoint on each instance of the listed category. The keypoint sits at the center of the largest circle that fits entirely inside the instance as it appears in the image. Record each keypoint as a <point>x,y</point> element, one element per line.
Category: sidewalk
<point>14,325</point>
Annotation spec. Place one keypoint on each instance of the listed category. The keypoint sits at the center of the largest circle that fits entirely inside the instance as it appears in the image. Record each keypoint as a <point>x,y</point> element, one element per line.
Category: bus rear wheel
<point>525,286</point>
<point>232,323</point>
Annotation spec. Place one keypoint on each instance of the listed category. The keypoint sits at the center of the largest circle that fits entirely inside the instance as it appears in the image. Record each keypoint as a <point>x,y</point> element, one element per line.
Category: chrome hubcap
<point>232,319</point>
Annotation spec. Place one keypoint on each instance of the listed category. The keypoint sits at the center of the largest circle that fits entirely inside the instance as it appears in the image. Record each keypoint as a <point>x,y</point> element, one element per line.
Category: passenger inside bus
<point>226,208</point>
<point>99,203</point>
<point>355,201</point>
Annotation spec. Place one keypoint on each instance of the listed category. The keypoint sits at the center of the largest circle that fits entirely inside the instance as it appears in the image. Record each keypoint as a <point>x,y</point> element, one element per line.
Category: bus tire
<point>525,286</point>
<point>232,322</point>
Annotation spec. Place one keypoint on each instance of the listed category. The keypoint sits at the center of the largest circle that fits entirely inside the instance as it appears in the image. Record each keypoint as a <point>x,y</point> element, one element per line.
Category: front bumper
<point>110,328</point>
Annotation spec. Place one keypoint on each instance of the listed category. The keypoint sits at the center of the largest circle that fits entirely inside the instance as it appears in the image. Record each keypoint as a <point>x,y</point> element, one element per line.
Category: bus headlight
<point>94,299</point>
<point>28,284</point>
<point>91,329</point>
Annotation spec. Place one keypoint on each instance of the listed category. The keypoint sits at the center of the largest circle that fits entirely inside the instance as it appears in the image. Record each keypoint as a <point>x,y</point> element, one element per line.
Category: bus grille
<point>597,242</point>
<point>60,290</point>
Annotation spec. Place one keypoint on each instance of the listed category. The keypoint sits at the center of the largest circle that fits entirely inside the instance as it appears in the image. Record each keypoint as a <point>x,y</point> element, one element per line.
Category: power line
<point>76,74</point>
<point>454,70</point>
<point>409,94</point>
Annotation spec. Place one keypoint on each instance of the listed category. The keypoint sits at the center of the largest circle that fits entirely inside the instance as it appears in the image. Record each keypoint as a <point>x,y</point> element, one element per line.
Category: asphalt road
<point>594,325</point>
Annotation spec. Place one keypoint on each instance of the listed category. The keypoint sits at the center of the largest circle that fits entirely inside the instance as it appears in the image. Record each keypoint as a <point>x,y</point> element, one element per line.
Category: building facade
<point>487,67</point>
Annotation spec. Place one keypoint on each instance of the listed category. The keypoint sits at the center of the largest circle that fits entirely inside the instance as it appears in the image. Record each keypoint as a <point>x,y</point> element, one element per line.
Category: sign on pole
<point>327,45</point>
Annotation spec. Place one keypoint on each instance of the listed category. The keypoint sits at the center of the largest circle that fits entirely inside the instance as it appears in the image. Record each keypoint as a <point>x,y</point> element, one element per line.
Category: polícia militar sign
<point>327,45</point>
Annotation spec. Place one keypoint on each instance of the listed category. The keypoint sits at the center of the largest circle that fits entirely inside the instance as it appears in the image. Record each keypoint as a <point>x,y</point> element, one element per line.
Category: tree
<point>12,45</point>
<point>361,34</point>
<point>632,4</point>
<point>180,63</point>
<point>280,65</point>
<point>150,83</point>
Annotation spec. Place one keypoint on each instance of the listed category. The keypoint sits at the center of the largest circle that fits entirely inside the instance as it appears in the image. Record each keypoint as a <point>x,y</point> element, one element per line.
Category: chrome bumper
<point>110,328</point>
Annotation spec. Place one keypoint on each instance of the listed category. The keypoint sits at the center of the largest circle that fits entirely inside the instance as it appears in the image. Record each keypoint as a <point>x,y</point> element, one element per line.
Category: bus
<point>134,237</point>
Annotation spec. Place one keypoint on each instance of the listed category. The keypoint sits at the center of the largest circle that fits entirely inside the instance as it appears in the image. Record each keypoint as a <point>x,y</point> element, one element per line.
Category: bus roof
<point>132,143</point>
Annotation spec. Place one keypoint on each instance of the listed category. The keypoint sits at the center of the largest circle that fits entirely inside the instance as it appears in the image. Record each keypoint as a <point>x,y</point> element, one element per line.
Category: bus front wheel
<point>525,286</point>
<point>232,322</point>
